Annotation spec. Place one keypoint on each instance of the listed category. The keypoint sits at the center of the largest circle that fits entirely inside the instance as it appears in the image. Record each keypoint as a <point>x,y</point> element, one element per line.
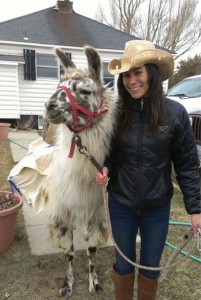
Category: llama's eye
<point>62,97</point>
<point>84,92</point>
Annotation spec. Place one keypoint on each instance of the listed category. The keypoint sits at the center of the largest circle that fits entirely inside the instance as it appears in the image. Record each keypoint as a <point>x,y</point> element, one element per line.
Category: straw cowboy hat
<point>140,52</point>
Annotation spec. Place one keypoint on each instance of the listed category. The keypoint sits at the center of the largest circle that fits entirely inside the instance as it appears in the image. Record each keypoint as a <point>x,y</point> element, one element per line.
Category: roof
<point>54,27</point>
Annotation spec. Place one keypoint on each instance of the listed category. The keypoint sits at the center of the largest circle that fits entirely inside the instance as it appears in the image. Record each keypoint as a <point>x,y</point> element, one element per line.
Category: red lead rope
<point>75,109</point>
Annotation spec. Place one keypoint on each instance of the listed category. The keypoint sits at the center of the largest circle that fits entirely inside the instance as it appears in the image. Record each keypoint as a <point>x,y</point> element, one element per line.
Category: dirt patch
<point>24,276</point>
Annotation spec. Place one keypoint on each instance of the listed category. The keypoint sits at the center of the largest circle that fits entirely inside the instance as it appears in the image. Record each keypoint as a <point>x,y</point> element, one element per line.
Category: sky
<point>14,8</point>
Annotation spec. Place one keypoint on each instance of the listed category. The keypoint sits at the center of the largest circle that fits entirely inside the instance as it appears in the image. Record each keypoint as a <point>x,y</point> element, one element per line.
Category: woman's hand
<point>102,179</point>
<point>196,223</point>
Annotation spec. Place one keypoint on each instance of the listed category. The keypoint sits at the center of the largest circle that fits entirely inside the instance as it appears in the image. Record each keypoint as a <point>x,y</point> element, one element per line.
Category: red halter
<point>75,109</point>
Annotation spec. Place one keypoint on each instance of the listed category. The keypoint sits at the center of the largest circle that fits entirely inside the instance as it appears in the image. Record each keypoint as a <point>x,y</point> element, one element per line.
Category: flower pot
<point>8,219</point>
<point>4,127</point>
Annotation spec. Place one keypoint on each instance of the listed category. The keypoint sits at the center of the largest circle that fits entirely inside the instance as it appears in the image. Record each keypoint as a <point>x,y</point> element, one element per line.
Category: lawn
<point>24,276</point>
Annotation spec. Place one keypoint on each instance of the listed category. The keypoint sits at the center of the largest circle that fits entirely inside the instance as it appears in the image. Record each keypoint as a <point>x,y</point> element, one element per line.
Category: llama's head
<point>77,101</point>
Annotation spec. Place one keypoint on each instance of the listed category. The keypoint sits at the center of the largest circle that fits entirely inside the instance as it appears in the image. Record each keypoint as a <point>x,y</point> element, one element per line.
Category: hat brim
<point>162,59</point>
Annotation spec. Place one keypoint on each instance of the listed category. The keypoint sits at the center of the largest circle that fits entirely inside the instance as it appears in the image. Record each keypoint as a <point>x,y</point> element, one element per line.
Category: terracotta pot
<point>4,127</point>
<point>8,219</point>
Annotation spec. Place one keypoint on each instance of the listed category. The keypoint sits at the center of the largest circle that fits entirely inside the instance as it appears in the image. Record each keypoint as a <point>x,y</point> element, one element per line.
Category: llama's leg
<point>67,287</point>
<point>98,234</point>
<point>93,280</point>
<point>63,238</point>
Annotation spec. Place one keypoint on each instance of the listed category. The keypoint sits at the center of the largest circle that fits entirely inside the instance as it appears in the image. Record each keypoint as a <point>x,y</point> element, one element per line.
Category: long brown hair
<point>154,112</point>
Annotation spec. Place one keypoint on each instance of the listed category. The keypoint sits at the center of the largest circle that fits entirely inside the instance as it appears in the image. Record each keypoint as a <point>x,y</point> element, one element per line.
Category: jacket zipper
<point>142,104</point>
<point>139,172</point>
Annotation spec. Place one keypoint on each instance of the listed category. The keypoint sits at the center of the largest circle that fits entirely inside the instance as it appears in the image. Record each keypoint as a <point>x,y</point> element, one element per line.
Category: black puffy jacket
<point>140,165</point>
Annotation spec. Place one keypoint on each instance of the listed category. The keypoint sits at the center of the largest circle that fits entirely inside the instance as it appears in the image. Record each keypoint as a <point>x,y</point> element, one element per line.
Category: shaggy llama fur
<point>73,197</point>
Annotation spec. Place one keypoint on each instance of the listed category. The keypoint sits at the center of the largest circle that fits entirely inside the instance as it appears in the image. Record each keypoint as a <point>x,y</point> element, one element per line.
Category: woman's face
<point>136,82</point>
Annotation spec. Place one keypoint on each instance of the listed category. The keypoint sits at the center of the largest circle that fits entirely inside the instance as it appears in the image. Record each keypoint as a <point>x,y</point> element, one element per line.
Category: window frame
<point>41,66</point>
<point>107,77</point>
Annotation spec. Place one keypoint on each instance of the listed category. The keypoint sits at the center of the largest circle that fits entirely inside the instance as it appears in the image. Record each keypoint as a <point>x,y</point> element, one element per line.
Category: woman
<point>153,133</point>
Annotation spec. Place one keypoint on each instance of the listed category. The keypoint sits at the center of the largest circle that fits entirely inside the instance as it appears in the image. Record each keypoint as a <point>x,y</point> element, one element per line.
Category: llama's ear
<point>65,60</point>
<point>94,63</point>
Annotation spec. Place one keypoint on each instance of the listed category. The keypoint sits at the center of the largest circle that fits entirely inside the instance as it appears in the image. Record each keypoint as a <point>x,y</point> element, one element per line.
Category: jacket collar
<point>139,104</point>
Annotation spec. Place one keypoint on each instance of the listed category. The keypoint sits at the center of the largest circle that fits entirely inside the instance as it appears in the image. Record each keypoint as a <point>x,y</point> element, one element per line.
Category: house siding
<point>9,91</point>
<point>33,94</point>
<point>20,97</point>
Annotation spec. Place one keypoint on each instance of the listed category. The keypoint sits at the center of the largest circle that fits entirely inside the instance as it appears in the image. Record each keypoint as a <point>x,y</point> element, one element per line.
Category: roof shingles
<point>53,27</point>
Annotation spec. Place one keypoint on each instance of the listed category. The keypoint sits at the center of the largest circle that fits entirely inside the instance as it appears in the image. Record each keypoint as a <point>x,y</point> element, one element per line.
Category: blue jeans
<point>153,228</point>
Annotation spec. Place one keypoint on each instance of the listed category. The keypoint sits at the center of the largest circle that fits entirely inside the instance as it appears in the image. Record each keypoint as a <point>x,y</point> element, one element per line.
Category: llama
<point>82,111</point>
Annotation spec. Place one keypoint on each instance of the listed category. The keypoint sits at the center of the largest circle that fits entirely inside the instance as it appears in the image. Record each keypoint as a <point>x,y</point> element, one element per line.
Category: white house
<point>29,69</point>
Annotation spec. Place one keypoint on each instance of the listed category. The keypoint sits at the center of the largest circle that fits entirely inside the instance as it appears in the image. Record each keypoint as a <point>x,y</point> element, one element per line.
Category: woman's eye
<point>125,74</point>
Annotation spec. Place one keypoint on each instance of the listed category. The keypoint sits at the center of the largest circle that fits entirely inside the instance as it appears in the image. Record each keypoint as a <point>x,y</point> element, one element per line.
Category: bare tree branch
<point>172,24</point>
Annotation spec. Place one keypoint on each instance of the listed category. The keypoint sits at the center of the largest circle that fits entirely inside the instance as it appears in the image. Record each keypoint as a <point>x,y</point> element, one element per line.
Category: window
<point>47,66</point>
<point>108,78</point>
<point>41,65</point>
<point>189,87</point>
